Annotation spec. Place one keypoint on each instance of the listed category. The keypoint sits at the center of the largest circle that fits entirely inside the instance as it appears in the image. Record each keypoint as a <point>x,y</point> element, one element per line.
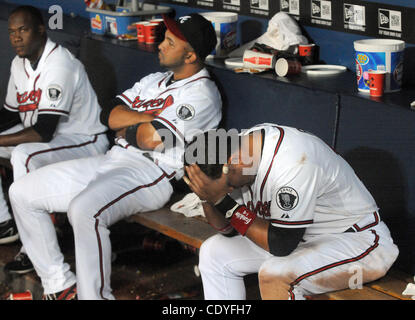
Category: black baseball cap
<point>194,29</point>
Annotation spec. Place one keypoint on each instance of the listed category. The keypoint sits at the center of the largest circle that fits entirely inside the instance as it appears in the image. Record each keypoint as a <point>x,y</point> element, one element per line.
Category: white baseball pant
<point>96,192</point>
<point>27,157</point>
<point>6,152</point>
<point>321,264</point>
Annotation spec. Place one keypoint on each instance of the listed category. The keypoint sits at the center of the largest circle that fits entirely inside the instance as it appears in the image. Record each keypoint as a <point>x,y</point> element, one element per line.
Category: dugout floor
<point>147,266</point>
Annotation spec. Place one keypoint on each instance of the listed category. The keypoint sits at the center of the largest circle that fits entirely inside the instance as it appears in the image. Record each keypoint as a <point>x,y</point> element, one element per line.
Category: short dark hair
<point>210,153</point>
<point>37,18</point>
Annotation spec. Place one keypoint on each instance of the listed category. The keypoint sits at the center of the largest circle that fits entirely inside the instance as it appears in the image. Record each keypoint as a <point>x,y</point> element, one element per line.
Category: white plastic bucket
<point>225,24</point>
<point>383,55</point>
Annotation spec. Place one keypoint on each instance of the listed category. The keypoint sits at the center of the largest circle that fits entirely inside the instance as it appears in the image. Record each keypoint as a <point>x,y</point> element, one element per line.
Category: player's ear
<point>42,29</point>
<point>191,57</point>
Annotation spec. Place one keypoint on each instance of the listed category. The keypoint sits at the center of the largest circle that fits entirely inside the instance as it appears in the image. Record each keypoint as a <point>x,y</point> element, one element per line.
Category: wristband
<point>131,134</point>
<point>242,219</point>
<point>227,206</point>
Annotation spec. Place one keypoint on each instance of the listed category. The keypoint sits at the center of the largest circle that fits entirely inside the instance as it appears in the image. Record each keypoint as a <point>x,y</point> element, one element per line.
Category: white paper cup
<point>284,67</point>
<point>255,59</point>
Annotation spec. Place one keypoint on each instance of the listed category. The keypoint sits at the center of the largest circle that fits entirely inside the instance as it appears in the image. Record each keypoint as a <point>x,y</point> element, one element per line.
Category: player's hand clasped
<point>206,188</point>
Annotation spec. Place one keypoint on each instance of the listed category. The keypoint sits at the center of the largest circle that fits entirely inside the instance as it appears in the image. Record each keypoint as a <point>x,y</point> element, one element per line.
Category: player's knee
<point>18,193</point>
<point>78,212</point>
<point>276,269</point>
<point>19,156</point>
<point>209,252</point>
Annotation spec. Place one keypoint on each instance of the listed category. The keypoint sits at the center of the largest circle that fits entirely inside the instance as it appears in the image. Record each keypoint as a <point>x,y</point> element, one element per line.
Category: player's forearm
<point>217,220</point>
<point>23,136</point>
<point>257,231</point>
<point>147,138</point>
<point>244,221</point>
<point>122,117</point>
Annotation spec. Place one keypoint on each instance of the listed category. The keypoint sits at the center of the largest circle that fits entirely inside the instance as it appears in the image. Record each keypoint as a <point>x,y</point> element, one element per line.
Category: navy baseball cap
<point>194,29</point>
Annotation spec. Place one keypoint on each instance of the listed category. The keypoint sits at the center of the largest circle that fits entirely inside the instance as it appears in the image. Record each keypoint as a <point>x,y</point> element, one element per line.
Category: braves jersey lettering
<point>28,101</point>
<point>153,106</point>
<point>33,96</point>
<point>261,208</point>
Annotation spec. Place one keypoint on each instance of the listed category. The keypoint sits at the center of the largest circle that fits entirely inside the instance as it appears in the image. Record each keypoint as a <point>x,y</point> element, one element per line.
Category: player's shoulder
<point>16,63</point>
<point>58,56</point>
<point>62,56</point>
<point>155,77</point>
<point>202,78</point>
<point>201,83</point>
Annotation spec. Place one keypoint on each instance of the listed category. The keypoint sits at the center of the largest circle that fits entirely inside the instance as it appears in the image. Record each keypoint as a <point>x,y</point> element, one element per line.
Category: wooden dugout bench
<point>191,231</point>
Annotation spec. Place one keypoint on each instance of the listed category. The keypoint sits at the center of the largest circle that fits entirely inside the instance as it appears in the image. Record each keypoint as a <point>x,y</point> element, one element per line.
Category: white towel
<point>282,33</point>
<point>190,206</point>
<point>410,290</point>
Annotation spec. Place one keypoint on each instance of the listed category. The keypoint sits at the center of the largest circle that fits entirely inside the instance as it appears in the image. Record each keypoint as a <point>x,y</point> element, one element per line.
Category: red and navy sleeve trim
<point>11,108</point>
<point>292,223</point>
<point>54,111</point>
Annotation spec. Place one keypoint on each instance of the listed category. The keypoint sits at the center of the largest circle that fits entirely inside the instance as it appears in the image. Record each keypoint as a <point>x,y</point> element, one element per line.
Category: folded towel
<point>190,206</point>
<point>410,290</point>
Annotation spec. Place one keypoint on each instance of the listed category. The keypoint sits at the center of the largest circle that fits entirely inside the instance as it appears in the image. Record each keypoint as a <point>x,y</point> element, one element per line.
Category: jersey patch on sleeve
<point>54,92</point>
<point>185,112</point>
<point>287,198</point>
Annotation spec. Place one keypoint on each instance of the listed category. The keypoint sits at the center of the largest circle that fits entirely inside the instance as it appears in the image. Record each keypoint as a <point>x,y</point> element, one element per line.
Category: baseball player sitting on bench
<point>287,207</point>
<point>135,175</point>
<point>50,114</point>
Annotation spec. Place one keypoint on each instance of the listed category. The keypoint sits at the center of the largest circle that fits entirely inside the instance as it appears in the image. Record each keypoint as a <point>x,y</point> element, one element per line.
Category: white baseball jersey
<point>302,182</point>
<point>185,107</point>
<point>60,86</point>
<point>96,192</point>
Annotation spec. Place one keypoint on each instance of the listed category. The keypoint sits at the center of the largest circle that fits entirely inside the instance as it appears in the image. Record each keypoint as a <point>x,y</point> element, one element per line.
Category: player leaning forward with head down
<point>133,176</point>
<point>290,209</point>
<point>51,112</point>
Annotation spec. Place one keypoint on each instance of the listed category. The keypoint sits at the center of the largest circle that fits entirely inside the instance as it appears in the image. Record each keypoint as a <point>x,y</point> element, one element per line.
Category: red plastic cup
<point>150,32</point>
<point>27,295</point>
<point>306,50</point>
<point>140,31</point>
<point>284,67</point>
<point>376,83</point>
